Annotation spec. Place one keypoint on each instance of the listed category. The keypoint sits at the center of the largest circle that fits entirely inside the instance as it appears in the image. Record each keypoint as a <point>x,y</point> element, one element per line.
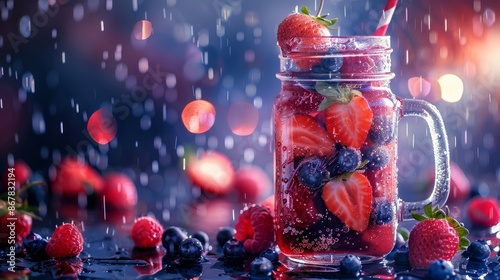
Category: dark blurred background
<point>60,61</point>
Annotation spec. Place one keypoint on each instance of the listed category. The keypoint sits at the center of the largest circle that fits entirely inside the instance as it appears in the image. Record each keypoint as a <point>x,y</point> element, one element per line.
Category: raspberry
<point>255,229</point>
<point>146,232</point>
<point>22,227</point>
<point>66,242</point>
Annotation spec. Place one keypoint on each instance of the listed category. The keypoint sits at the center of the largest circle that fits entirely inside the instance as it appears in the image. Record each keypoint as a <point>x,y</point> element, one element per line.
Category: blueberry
<point>400,240</point>
<point>350,265</point>
<point>401,257</point>
<point>171,239</point>
<point>260,268</point>
<point>190,250</point>
<point>377,158</point>
<point>478,250</point>
<point>270,254</point>
<point>347,160</point>
<point>440,270</point>
<point>224,234</point>
<point>203,238</point>
<point>382,212</point>
<point>35,247</point>
<point>312,173</point>
<point>37,194</point>
<point>233,249</point>
<point>332,64</point>
<point>382,130</point>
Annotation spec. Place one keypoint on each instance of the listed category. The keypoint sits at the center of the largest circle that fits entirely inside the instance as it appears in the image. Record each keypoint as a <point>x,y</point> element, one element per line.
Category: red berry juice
<point>335,152</point>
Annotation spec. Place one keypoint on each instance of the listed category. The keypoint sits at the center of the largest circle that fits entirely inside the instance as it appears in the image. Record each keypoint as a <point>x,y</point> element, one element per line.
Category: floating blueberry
<point>382,212</point>
<point>233,249</point>
<point>271,255</point>
<point>478,250</point>
<point>350,265</point>
<point>171,239</point>
<point>377,158</point>
<point>312,173</point>
<point>203,238</point>
<point>332,64</point>
<point>441,269</point>
<point>382,130</point>
<point>347,160</point>
<point>190,250</point>
<point>260,268</point>
<point>224,234</point>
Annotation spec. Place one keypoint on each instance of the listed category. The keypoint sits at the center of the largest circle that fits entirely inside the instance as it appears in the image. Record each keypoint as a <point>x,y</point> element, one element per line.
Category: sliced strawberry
<point>303,136</point>
<point>349,122</point>
<point>350,200</point>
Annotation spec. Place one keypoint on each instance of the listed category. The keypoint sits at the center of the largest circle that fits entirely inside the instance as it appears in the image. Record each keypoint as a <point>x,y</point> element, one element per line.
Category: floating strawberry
<point>213,172</point>
<point>350,199</point>
<point>119,191</point>
<point>303,24</point>
<point>76,177</point>
<point>305,137</point>
<point>348,114</point>
<point>483,211</point>
<point>436,236</point>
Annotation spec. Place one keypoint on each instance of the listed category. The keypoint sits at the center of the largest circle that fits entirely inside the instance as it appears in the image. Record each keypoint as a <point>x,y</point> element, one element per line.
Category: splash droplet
<point>102,126</point>
<point>198,116</point>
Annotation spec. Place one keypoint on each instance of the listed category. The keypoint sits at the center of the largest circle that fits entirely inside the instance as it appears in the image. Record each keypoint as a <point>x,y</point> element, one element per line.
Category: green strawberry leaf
<point>403,233</point>
<point>334,94</point>
<point>320,18</point>
<point>463,243</point>
<point>305,10</point>
<point>418,217</point>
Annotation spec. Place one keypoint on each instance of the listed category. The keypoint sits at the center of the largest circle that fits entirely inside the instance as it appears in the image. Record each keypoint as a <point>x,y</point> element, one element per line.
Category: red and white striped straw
<point>386,17</point>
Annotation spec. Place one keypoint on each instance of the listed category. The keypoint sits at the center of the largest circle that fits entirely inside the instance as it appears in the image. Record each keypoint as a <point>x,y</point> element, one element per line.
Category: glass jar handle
<point>427,111</point>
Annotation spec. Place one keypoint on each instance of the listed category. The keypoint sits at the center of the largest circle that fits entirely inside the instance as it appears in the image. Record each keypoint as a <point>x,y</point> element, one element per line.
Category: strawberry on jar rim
<point>297,27</point>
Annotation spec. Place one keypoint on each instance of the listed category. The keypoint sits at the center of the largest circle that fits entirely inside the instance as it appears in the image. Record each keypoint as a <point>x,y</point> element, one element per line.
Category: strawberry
<point>436,236</point>
<point>296,26</point>
<point>483,211</point>
<point>295,99</point>
<point>76,177</point>
<point>379,240</point>
<point>299,210</point>
<point>350,200</point>
<point>119,191</point>
<point>255,229</point>
<point>66,242</point>
<point>213,172</point>
<point>146,232</point>
<point>348,115</point>
<point>19,222</point>
<point>303,136</point>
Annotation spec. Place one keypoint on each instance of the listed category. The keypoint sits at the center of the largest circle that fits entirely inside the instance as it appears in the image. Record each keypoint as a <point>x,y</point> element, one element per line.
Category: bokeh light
<point>102,126</point>
<point>242,118</point>
<point>419,87</point>
<point>213,172</point>
<point>143,29</point>
<point>198,116</point>
<point>452,87</point>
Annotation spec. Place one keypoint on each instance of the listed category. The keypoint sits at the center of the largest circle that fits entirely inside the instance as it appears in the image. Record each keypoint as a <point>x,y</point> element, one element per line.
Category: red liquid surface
<point>306,228</point>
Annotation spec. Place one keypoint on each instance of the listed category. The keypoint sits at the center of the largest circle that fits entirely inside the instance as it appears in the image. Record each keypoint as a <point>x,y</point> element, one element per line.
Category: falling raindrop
<point>78,12</point>
<point>102,126</point>
<point>25,26</point>
<point>38,123</point>
<point>198,116</point>
<point>28,82</point>
<point>109,5</point>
